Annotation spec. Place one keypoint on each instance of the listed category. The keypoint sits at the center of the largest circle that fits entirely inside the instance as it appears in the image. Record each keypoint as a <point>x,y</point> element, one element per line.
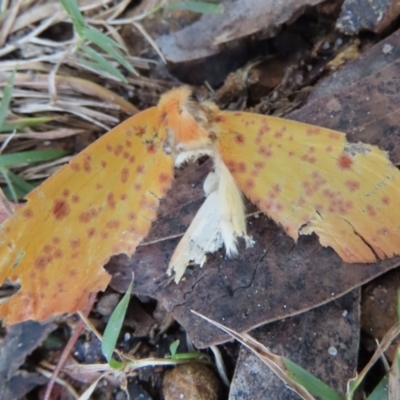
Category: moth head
<point>186,119</point>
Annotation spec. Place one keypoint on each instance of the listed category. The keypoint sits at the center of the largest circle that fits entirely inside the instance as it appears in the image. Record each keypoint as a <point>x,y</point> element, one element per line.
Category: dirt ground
<point>330,63</point>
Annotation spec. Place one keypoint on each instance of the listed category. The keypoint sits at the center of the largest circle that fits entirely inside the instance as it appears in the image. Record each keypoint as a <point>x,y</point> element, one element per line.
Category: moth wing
<point>102,203</point>
<point>310,179</point>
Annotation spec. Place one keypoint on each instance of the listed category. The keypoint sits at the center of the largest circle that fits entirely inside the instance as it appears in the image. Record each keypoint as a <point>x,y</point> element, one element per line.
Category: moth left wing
<point>101,203</point>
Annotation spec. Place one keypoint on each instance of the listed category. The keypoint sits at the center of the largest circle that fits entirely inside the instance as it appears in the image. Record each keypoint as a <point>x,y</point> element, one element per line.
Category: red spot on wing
<point>329,148</point>
<point>279,134</point>
<point>164,178</point>
<point>151,148</point>
<point>219,118</point>
<point>312,131</point>
<point>56,240</point>
<point>239,138</point>
<point>241,167</point>
<point>111,200</point>
<point>370,209</point>
<point>75,198</point>
<point>259,164</point>
<point>249,184</point>
<point>65,192</point>
<point>75,166</point>
<point>266,152</point>
<point>124,175</point>
<point>113,224</point>
<point>103,163</point>
<point>72,272</point>
<point>86,163</point>
<point>140,169</point>
<point>118,150</point>
<point>91,232</point>
<point>58,254</point>
<point>277,188</point>
<point>60,209</point>
<point>137,187</point>
<point>75,243</point>
<point>317,180</point>
<point>385,200</point>
<point>84,217</point>
<point>47,248</point>
<point>131,216</point>
<point>344,162</point>
<point>308,188</point>
<point>312,160</point>
<point>335,135</point>
<point>98,186</point>
<point>27,213</point>
<point>264,129</point>
<point>307,158</point>
<point>352,185</point>
<point>40,263</point>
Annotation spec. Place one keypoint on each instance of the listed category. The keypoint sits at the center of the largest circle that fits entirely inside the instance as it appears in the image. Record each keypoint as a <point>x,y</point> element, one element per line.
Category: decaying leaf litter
<point>224,287</point>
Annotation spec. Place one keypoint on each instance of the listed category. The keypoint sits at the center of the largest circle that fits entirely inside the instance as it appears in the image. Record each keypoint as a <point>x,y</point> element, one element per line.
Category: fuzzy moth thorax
<point>188,121</point>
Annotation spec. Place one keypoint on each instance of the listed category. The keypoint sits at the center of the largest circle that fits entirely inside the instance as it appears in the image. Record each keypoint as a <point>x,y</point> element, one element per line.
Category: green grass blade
<point>99,38</point>
<point>113,328</point>
<point>196,6</point>
<point>310,382</point>
<point>119,57</point>
<point>21,186</point>
<point>25,157</point>
<point>6,98</point>
<point>12,195</point>
<point>20,123</point>
<point>72,9</point>
<point>381,390</point>
<point>101,65</point>
<point>17,188</point>
<point>174,347</point>
<point>109,46</point>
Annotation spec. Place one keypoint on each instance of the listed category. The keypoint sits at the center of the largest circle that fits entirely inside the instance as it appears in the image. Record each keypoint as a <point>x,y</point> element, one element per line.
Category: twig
<point>68,348</point>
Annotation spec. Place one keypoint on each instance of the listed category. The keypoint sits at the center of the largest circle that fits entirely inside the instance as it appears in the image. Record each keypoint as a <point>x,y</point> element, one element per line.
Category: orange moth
<point>307,179</point>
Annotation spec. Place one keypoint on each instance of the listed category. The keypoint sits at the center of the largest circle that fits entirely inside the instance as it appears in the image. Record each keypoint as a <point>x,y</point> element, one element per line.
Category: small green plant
<point>86,33</point>
<point>17,187</point>
<point>194,355</point>
<point>113,329</point>
<point>202,7</point>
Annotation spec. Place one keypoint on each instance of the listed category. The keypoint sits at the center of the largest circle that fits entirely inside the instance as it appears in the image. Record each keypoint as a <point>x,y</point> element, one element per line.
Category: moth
<point>306,178</point>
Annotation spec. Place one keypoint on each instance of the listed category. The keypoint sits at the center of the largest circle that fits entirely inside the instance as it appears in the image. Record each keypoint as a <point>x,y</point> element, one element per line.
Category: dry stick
<point>7,206</point>
<point>47,135</point>
<point>9,22</point>
<point>33,33</point>
<point>40,81</point>
<point>68,348</point>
